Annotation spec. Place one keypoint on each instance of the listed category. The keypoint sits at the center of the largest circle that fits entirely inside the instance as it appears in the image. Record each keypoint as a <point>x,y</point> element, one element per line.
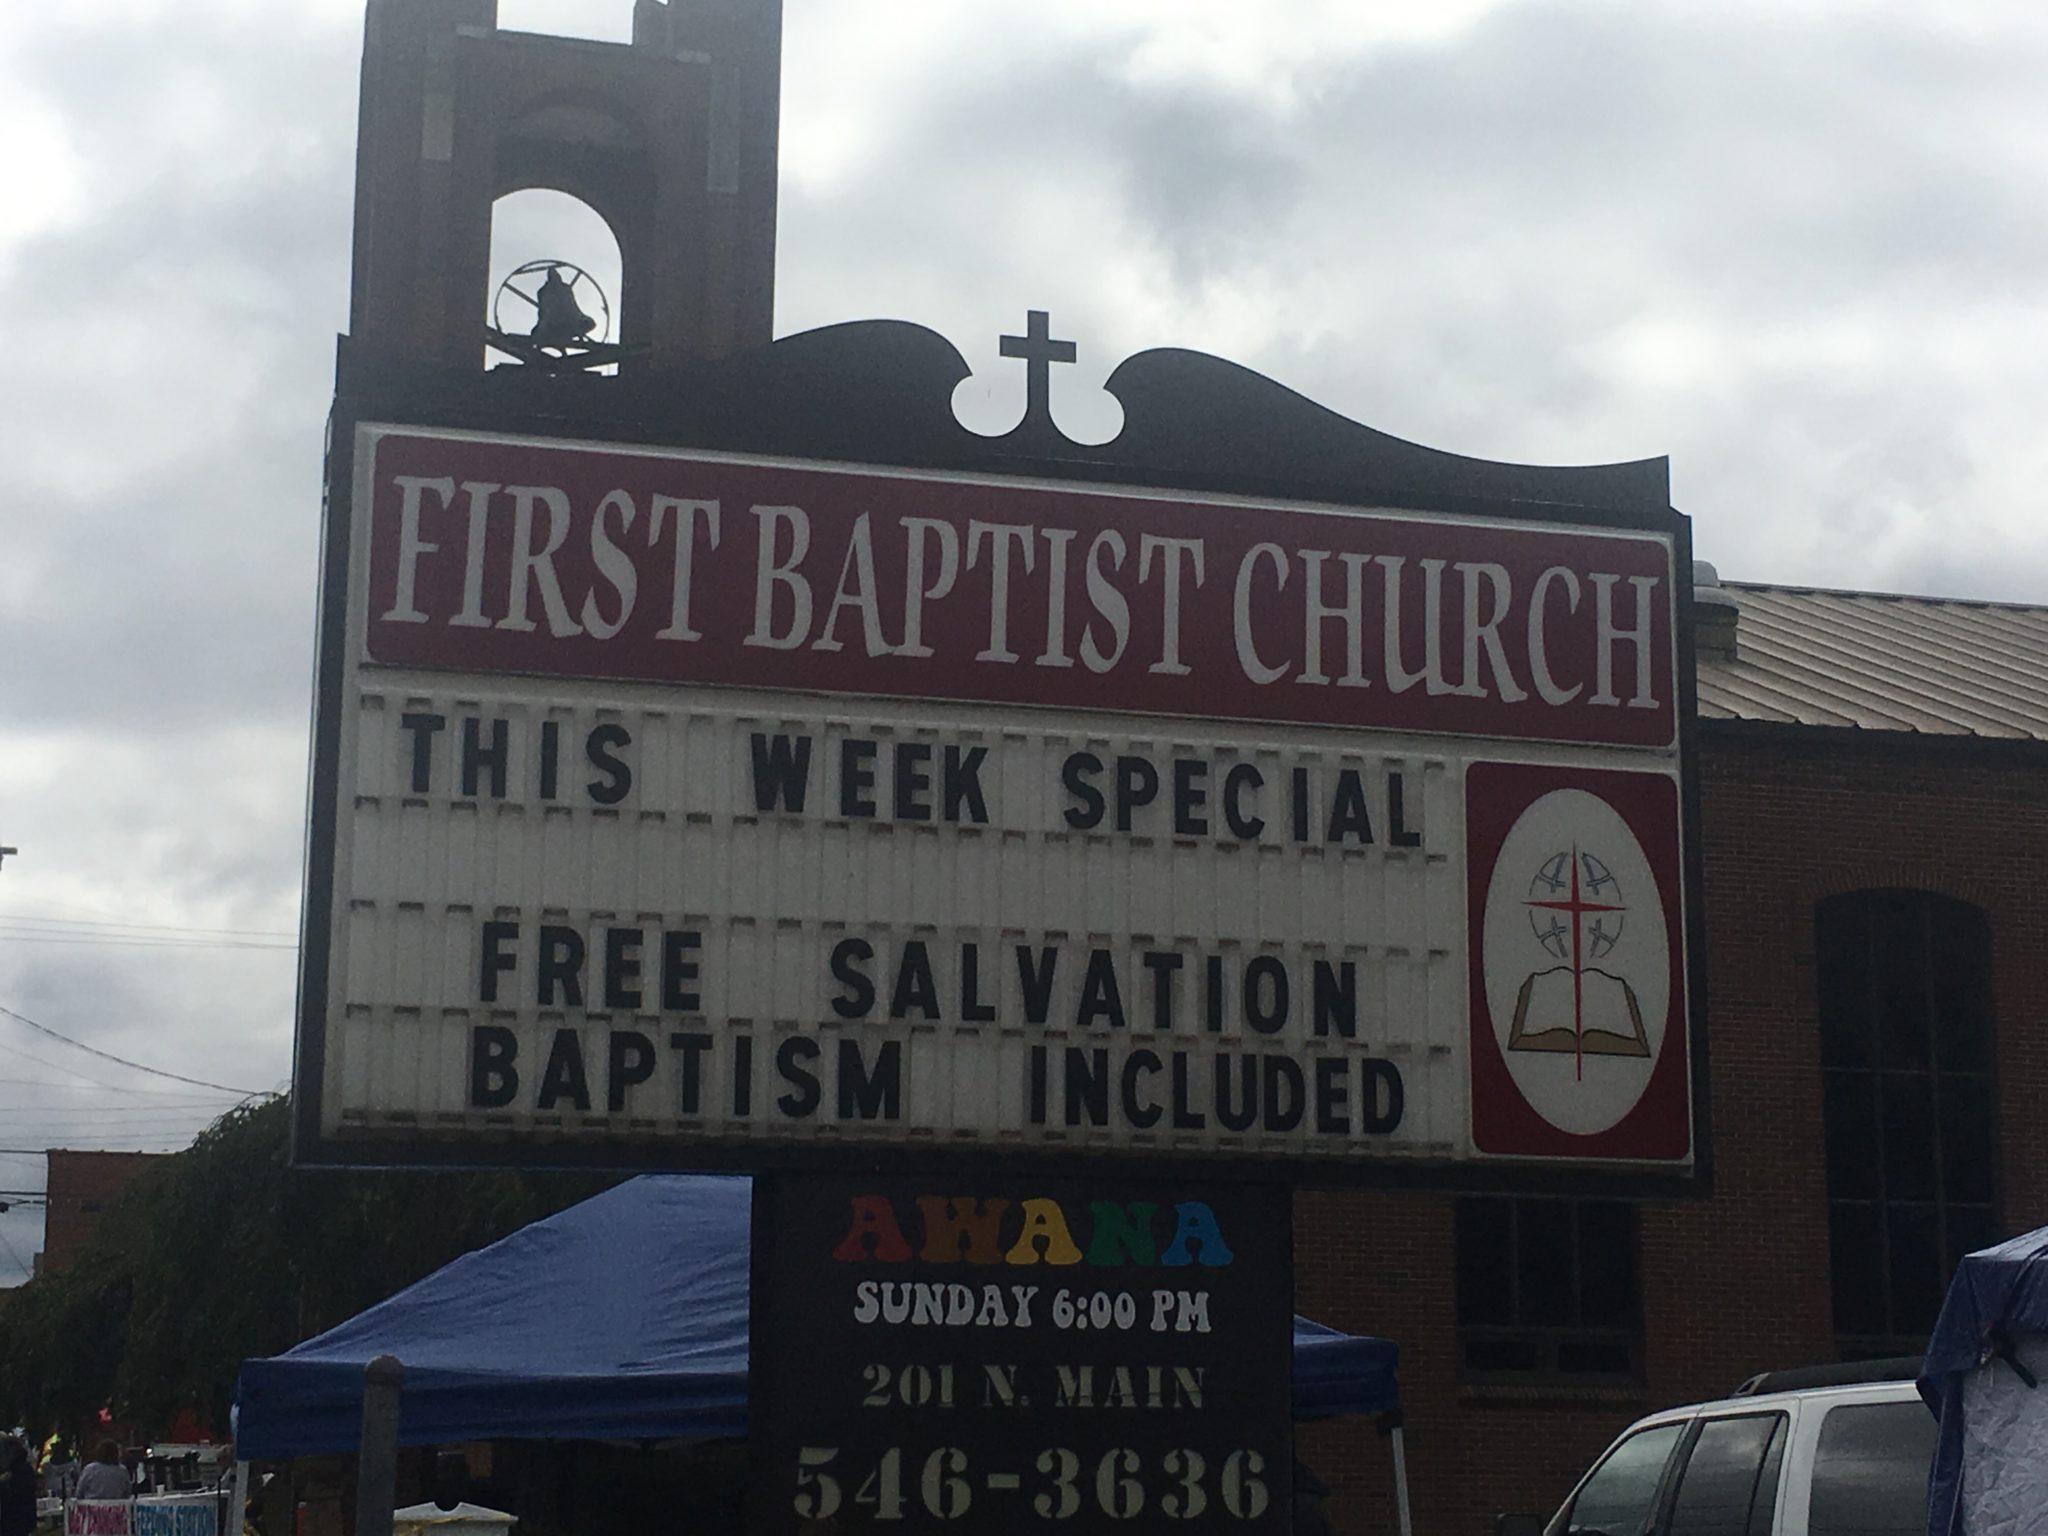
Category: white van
<point>1778,1459</point>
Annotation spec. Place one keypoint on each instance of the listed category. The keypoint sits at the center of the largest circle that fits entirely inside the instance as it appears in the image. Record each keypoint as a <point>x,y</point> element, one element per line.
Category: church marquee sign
<point>685,807</point>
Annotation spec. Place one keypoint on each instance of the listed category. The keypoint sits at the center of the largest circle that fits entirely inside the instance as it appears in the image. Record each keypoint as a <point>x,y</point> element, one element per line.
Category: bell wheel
<point>516,303</point>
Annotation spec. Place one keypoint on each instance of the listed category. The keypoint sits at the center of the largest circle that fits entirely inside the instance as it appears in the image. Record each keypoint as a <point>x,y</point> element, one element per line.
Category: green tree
<point>224,1252</point>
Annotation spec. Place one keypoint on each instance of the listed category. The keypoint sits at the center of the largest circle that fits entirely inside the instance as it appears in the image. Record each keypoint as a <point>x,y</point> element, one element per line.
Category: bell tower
<point>671,139</point>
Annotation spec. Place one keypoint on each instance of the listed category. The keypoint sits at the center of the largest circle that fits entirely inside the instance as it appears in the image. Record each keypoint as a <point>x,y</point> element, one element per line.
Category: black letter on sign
<point>1337,998</point>
<point>794,1059</point>
<point>631,1064</point>
<point>422,728</point>
<point>678,971</point>
<point>622,967</point>
<point>1162,963</point>
<point>743,1075</point>
<point>475,756</point>
<point>1240,778</point>
<point>1137,783</point>
<point>1333,1093</point>
<point>879,1096</point>
<point>913,781</point>
<point>1265,1007</point>
<point>1140,1114</point>
<point>1037,984</point>
<point>1348,815</point>
<point>1383,1086</point>
<point>1088,1085</point>
<point>694,1049</point>
<point>1100,998</point>
<point>859,997</point>
<point>1074,774</point>
<point>916,987</point>
<point>550,758</point>
<point>782,771</point>
<point>1280,1071</point>
<point>1397,815</point>
<point>564,1074</point>
<point>493,1079</point>
<point>561,967</point>
<point>496,936</point>
<point>618,778</point>
<point>1190,796</point>
<point>963,785</point>
<point>972,1009</point>
<point>693,1068</point>
<point>856,775</point>
<point>1240,1117</point>
<point>1185,1116</point>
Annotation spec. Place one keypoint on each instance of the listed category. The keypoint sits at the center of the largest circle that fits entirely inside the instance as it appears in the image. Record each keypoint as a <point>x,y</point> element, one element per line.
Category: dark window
<point>1905,1022</point>
<point>1870,1470</point>
<point>1722,1491</point>
<point>1547,1288</point>
<point>1617,1498</point>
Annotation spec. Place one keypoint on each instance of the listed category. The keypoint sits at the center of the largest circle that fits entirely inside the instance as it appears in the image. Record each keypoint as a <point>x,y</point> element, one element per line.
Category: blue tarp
<point>623,1318</point>
<point>1998,1297</point>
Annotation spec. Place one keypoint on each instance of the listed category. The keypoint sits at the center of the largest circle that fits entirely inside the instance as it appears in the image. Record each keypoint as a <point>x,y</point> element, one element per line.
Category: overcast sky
<point>1801,248</point>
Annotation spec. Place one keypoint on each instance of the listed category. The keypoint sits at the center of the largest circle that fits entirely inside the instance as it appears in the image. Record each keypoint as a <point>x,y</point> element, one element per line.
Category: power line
<point>46,1151</point>
<point>109,925</point>
<point>93,1050</point>
<point>58,1066</point>
<point>117,1100</point>
<point>147,1093</point>
<point>23,1119</point>
<point>143,943</point>
<point>197,1121</point>
<point>22,1129</point>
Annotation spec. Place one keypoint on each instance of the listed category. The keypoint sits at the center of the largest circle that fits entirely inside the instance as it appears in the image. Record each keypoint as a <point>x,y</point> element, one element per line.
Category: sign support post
<point>377,1453</point>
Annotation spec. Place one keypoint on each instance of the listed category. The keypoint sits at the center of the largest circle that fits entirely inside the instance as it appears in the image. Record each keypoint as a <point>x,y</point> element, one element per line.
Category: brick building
<point>1874,811</point>
<point>81,1186</point>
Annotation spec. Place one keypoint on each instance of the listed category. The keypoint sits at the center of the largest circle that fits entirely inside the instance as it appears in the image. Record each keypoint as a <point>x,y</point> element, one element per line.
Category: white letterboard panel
<point>571,910</point>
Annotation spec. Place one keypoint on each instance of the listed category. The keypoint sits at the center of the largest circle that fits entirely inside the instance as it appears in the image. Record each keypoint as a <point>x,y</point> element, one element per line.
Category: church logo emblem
<point>1578,1005</point>
<point>1577,975</point>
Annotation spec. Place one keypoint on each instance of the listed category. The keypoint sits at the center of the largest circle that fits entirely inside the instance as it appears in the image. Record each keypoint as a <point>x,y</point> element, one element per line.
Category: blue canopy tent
<point>1983,1377</point>
<point>624,1317</point>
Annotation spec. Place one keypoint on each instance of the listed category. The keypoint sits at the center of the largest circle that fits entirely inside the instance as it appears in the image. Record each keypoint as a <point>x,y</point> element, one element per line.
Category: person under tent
<point>104,1477</point>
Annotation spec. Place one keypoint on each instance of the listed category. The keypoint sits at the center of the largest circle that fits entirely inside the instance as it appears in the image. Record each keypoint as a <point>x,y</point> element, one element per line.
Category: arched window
<point>1904,980</point>
<point>540,225</point>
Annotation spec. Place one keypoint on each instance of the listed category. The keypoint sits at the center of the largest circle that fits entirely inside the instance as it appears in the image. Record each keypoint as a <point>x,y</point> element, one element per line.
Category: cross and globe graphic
<point>1571,924</point>
<point>1577,960</point>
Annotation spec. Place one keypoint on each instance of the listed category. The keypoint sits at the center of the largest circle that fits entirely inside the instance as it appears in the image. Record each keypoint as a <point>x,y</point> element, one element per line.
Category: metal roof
<point>1871,661</point>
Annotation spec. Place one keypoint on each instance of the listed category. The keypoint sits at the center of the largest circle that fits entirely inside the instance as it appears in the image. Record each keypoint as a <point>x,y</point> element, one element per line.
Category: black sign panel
<point>1020,1355</point>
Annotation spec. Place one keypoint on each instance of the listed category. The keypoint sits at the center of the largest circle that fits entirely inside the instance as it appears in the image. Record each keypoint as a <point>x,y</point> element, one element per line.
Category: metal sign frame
<point>877,395</point>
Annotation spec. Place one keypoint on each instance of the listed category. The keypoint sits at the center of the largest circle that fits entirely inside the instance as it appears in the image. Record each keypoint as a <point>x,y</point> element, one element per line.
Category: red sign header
<point>501,556</point>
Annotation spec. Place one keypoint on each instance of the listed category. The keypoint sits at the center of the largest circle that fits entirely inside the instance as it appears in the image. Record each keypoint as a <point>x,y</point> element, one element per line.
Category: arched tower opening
<point>553,256</point>
<point>669,139</point>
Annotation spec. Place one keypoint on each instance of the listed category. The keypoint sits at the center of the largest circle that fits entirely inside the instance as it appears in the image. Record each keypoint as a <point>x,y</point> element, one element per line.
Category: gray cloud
<point>1800,249</point>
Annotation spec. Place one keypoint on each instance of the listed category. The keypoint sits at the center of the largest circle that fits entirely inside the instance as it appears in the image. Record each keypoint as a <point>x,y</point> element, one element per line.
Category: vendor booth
<point>1983,1377</point>
<point>622,1318</point>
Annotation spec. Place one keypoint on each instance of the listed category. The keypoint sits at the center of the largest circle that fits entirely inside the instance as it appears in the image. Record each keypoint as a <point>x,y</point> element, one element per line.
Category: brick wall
<point>80,1186</point>
<point>1737,1283</point>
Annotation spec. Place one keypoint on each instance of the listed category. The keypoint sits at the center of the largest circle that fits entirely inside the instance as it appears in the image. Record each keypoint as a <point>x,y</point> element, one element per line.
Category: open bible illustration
<point>1590,1012</point>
